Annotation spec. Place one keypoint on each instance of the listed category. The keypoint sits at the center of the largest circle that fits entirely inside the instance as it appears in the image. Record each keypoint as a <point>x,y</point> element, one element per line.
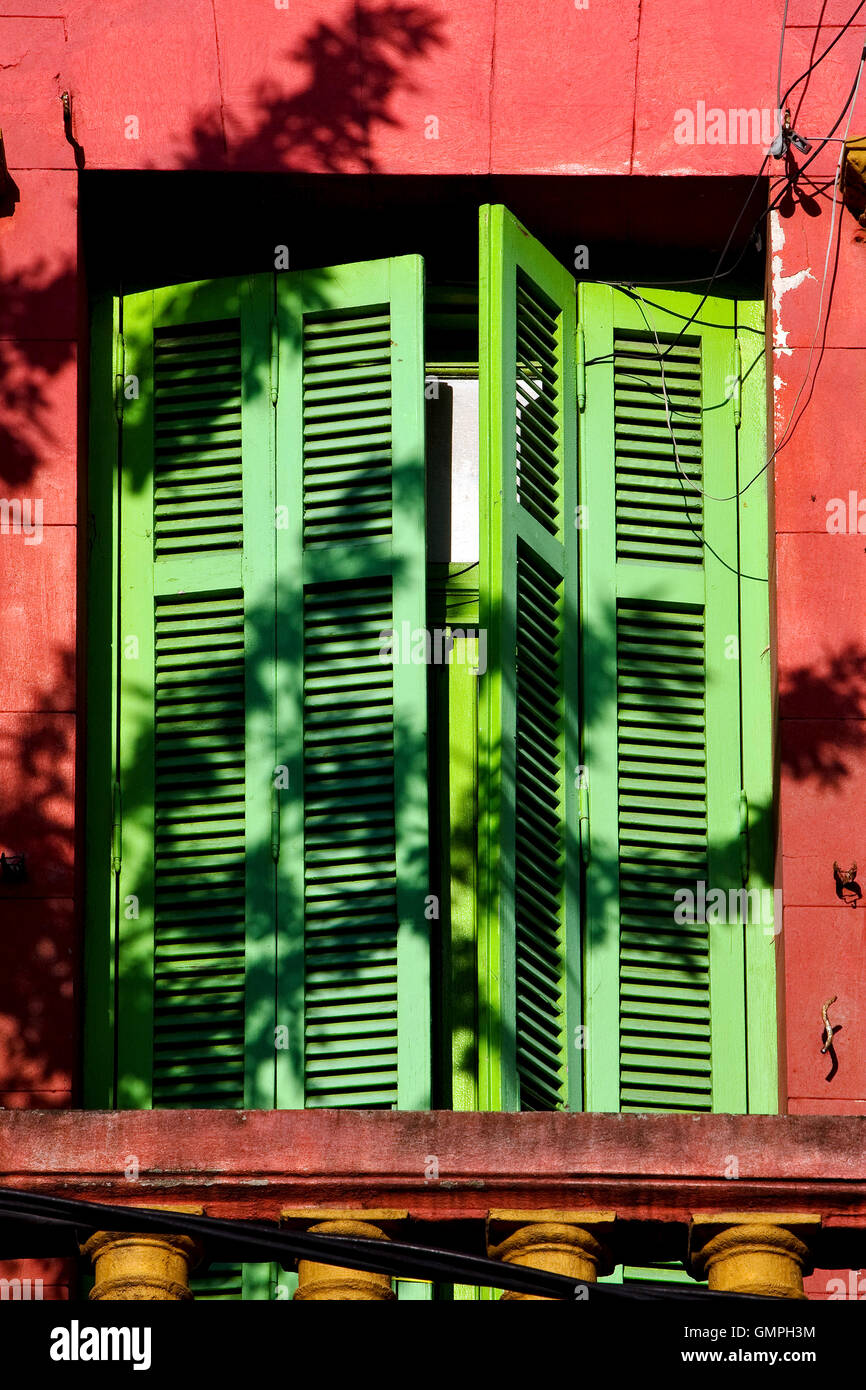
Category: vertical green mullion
<point>135,714</point>
<point>290,687</point>
<point>756,703</point>
<point>721,644</point>
<point>259,1282</point>
<point>409,577</point>
<point>569,634</point>
<point>258,577</point>
<point>102,693</point>
<point>599,703</point>
<point>496,1043</point>
<point>413,1290</point>
<point>463,870</point>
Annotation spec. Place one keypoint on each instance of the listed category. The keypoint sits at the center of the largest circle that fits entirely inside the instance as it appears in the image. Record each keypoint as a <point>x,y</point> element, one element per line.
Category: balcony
<point>609,1188</point>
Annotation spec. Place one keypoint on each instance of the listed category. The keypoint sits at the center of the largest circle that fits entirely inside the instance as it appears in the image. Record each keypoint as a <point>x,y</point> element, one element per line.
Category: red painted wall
<point>350,87</point>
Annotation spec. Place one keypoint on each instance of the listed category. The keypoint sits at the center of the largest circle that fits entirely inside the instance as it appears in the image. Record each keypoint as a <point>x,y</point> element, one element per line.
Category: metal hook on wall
<point>67,130</point>
<point>828,1027</point>
<point>847,887</point>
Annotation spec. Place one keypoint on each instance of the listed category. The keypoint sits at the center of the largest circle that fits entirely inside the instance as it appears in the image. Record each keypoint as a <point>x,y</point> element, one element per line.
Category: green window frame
<point>267,876</point>
<point>660,723</point>
<point>257,495</point>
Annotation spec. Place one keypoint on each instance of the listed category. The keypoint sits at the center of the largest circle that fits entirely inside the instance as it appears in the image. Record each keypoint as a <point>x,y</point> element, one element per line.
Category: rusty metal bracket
<point>828,1027</point>
<point>67,130</point>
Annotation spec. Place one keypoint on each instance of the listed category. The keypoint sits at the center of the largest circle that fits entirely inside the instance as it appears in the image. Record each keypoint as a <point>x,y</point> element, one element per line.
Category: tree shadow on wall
<point>346,71</point>
<point>354,68</point>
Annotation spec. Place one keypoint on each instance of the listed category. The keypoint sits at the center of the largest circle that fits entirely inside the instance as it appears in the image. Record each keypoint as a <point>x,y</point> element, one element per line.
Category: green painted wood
<point>354,970</point>
<point>414,1290</point>
<point>528,900</point>
<point>462,953</point>
<point>664,999</point>
<point>197,920</point>
<point>101,693</point>
<point>757,707</point>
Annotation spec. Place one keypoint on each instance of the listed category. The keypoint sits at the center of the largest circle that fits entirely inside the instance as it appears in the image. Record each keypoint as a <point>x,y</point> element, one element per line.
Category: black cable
<point>260,1242</point>
<point>781,50</point>
<point>717,274</point>
<point>772,205</point>
<point>724,252</point>
<point>812,66</point>
<point>826,139</point>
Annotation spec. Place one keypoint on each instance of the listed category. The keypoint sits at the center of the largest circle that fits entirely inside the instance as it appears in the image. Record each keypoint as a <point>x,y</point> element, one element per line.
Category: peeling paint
<point>782,284</point>
<point>778,413</point>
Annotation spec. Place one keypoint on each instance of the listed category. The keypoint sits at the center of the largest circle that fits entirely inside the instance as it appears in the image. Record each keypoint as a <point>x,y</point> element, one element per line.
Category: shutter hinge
<point>275,823</point>
<point>744,836</point>
<point>581,369</point>
<point>583,822</point>
<point>119,374</point>
<point>116,829</point>
<point>275,361</point>
<point>737,384</point>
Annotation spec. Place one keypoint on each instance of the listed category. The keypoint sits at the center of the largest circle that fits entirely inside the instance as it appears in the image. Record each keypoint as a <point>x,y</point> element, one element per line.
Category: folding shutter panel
<point>664,998</point>
<point>354,975</point>
<point>196,661</point>
<point>528,927</point>
<point>757,705</point>
<point>99,945</point>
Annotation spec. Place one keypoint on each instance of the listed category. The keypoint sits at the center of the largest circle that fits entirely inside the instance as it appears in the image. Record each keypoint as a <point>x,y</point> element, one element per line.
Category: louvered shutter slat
<point>196,568</point>
<point>661,704</point>
<point>528,906</point>
<point>353,869</point>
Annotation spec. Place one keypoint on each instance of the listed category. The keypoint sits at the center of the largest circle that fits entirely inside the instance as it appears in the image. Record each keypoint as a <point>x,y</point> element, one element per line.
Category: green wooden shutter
<point>528,927</point>
<point>195,892</point>
<point>661,728</point>
<point>354,975</point>
<point>756,704</point>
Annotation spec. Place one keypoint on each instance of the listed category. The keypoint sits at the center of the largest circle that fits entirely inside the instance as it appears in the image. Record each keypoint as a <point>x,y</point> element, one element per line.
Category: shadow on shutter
<point>350,870</point>
<point>657,516</point>
<point>353,870</point>
<point>528,903</point>
<point>200,871</point>
<point>664,997</point>
<point>195,1009</point>
<point>197,485</point>
<point>664,968</point>
<point>538,856</point>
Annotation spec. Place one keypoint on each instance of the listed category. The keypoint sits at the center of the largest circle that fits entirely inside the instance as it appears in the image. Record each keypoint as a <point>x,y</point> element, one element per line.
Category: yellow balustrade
<point>560,1242</point>
<point>752,1252</point>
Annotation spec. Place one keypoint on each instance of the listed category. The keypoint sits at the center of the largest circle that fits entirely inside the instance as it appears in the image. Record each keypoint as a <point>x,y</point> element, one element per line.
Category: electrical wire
<point>633,292</point>
<point>788,427</point>
<point>812,66</point>
<point>717,273</point>
<point>684,478</point>
<point>781,50</point>
<point>61,1222</point>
